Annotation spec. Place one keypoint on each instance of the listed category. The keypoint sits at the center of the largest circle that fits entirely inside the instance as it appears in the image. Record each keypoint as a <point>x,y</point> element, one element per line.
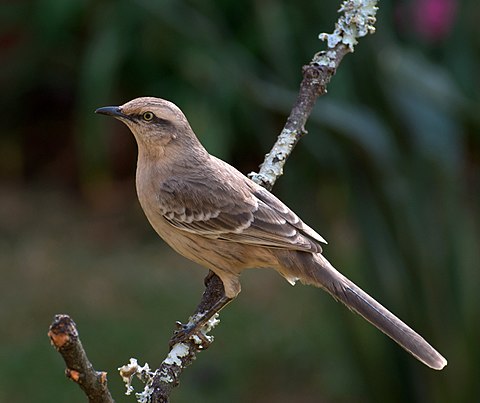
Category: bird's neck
<point>165,161</point>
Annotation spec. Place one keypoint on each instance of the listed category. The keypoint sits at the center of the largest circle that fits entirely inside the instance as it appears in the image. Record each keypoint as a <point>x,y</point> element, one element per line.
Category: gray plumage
<point>211,213</point>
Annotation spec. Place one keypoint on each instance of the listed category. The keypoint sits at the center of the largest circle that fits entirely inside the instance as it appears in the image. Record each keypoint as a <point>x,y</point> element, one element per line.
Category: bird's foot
<point>191,331</point>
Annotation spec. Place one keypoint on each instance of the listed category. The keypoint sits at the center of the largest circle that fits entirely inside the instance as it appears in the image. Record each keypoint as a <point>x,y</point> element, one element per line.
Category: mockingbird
<point>212,214</point>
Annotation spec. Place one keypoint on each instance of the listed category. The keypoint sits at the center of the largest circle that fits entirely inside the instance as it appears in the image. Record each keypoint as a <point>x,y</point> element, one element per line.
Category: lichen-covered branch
<point>357,19</point>
<point>64,337</point>
<point>160,383</point>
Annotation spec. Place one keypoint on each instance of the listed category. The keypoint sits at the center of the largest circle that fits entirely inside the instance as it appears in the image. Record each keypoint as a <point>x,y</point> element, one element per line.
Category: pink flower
<point>433,19</point>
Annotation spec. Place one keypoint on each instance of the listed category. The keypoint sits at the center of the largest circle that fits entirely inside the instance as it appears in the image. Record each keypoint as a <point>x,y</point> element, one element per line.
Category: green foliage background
<point>388,174</point>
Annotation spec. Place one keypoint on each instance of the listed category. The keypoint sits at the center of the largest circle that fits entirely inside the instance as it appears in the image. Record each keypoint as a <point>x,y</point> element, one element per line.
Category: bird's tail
<point>319,272</point>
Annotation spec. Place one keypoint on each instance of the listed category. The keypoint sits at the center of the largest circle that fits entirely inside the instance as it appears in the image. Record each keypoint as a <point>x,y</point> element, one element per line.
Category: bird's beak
<point>114,111</point>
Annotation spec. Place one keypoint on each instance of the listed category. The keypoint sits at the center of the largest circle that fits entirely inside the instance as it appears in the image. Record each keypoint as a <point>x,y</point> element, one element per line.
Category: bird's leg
<point>213,300</point>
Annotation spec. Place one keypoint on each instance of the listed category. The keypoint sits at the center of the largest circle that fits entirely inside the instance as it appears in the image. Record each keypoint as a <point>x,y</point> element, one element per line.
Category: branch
<point>64,337</point>
<point>357,21</point>
<point>159,384</point>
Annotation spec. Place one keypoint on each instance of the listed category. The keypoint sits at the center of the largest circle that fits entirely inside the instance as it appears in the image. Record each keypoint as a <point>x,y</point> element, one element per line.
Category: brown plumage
<point>211,213</point>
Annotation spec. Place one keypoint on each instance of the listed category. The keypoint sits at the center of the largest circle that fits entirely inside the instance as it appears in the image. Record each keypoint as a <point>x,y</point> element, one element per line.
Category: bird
<point>214,215</point>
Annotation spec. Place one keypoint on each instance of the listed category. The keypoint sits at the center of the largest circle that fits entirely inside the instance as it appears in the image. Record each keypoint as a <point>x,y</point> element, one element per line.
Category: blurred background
<point>388,174</point>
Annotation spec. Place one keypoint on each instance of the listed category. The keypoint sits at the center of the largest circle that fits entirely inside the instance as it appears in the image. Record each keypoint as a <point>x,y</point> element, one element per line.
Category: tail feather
<point>319,272</point>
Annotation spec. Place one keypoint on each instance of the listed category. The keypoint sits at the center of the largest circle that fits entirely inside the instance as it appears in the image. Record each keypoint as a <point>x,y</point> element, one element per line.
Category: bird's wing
<point>245,213</point>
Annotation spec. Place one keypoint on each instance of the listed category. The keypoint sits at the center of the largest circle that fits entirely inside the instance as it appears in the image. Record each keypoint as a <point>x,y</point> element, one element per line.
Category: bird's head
<point>154,122</point>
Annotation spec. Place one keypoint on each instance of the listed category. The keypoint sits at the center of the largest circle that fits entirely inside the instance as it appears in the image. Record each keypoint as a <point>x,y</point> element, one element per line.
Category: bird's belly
<point>212,253</point>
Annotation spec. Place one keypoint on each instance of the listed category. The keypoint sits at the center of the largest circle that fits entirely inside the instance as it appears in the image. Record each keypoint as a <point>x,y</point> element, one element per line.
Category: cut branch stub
<point>64,337</point>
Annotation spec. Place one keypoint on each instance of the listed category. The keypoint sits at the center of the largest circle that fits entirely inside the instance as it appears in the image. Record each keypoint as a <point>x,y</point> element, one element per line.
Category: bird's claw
<point>180,326</point>
<point>186,332</point>
<point>182,333</point>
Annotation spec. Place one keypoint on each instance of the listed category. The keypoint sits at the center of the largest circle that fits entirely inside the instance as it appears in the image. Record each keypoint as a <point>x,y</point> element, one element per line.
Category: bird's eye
<point>148,116</point>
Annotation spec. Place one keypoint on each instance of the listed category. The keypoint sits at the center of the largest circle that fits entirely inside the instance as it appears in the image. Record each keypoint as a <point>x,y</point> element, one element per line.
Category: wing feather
<point>244,213</point>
